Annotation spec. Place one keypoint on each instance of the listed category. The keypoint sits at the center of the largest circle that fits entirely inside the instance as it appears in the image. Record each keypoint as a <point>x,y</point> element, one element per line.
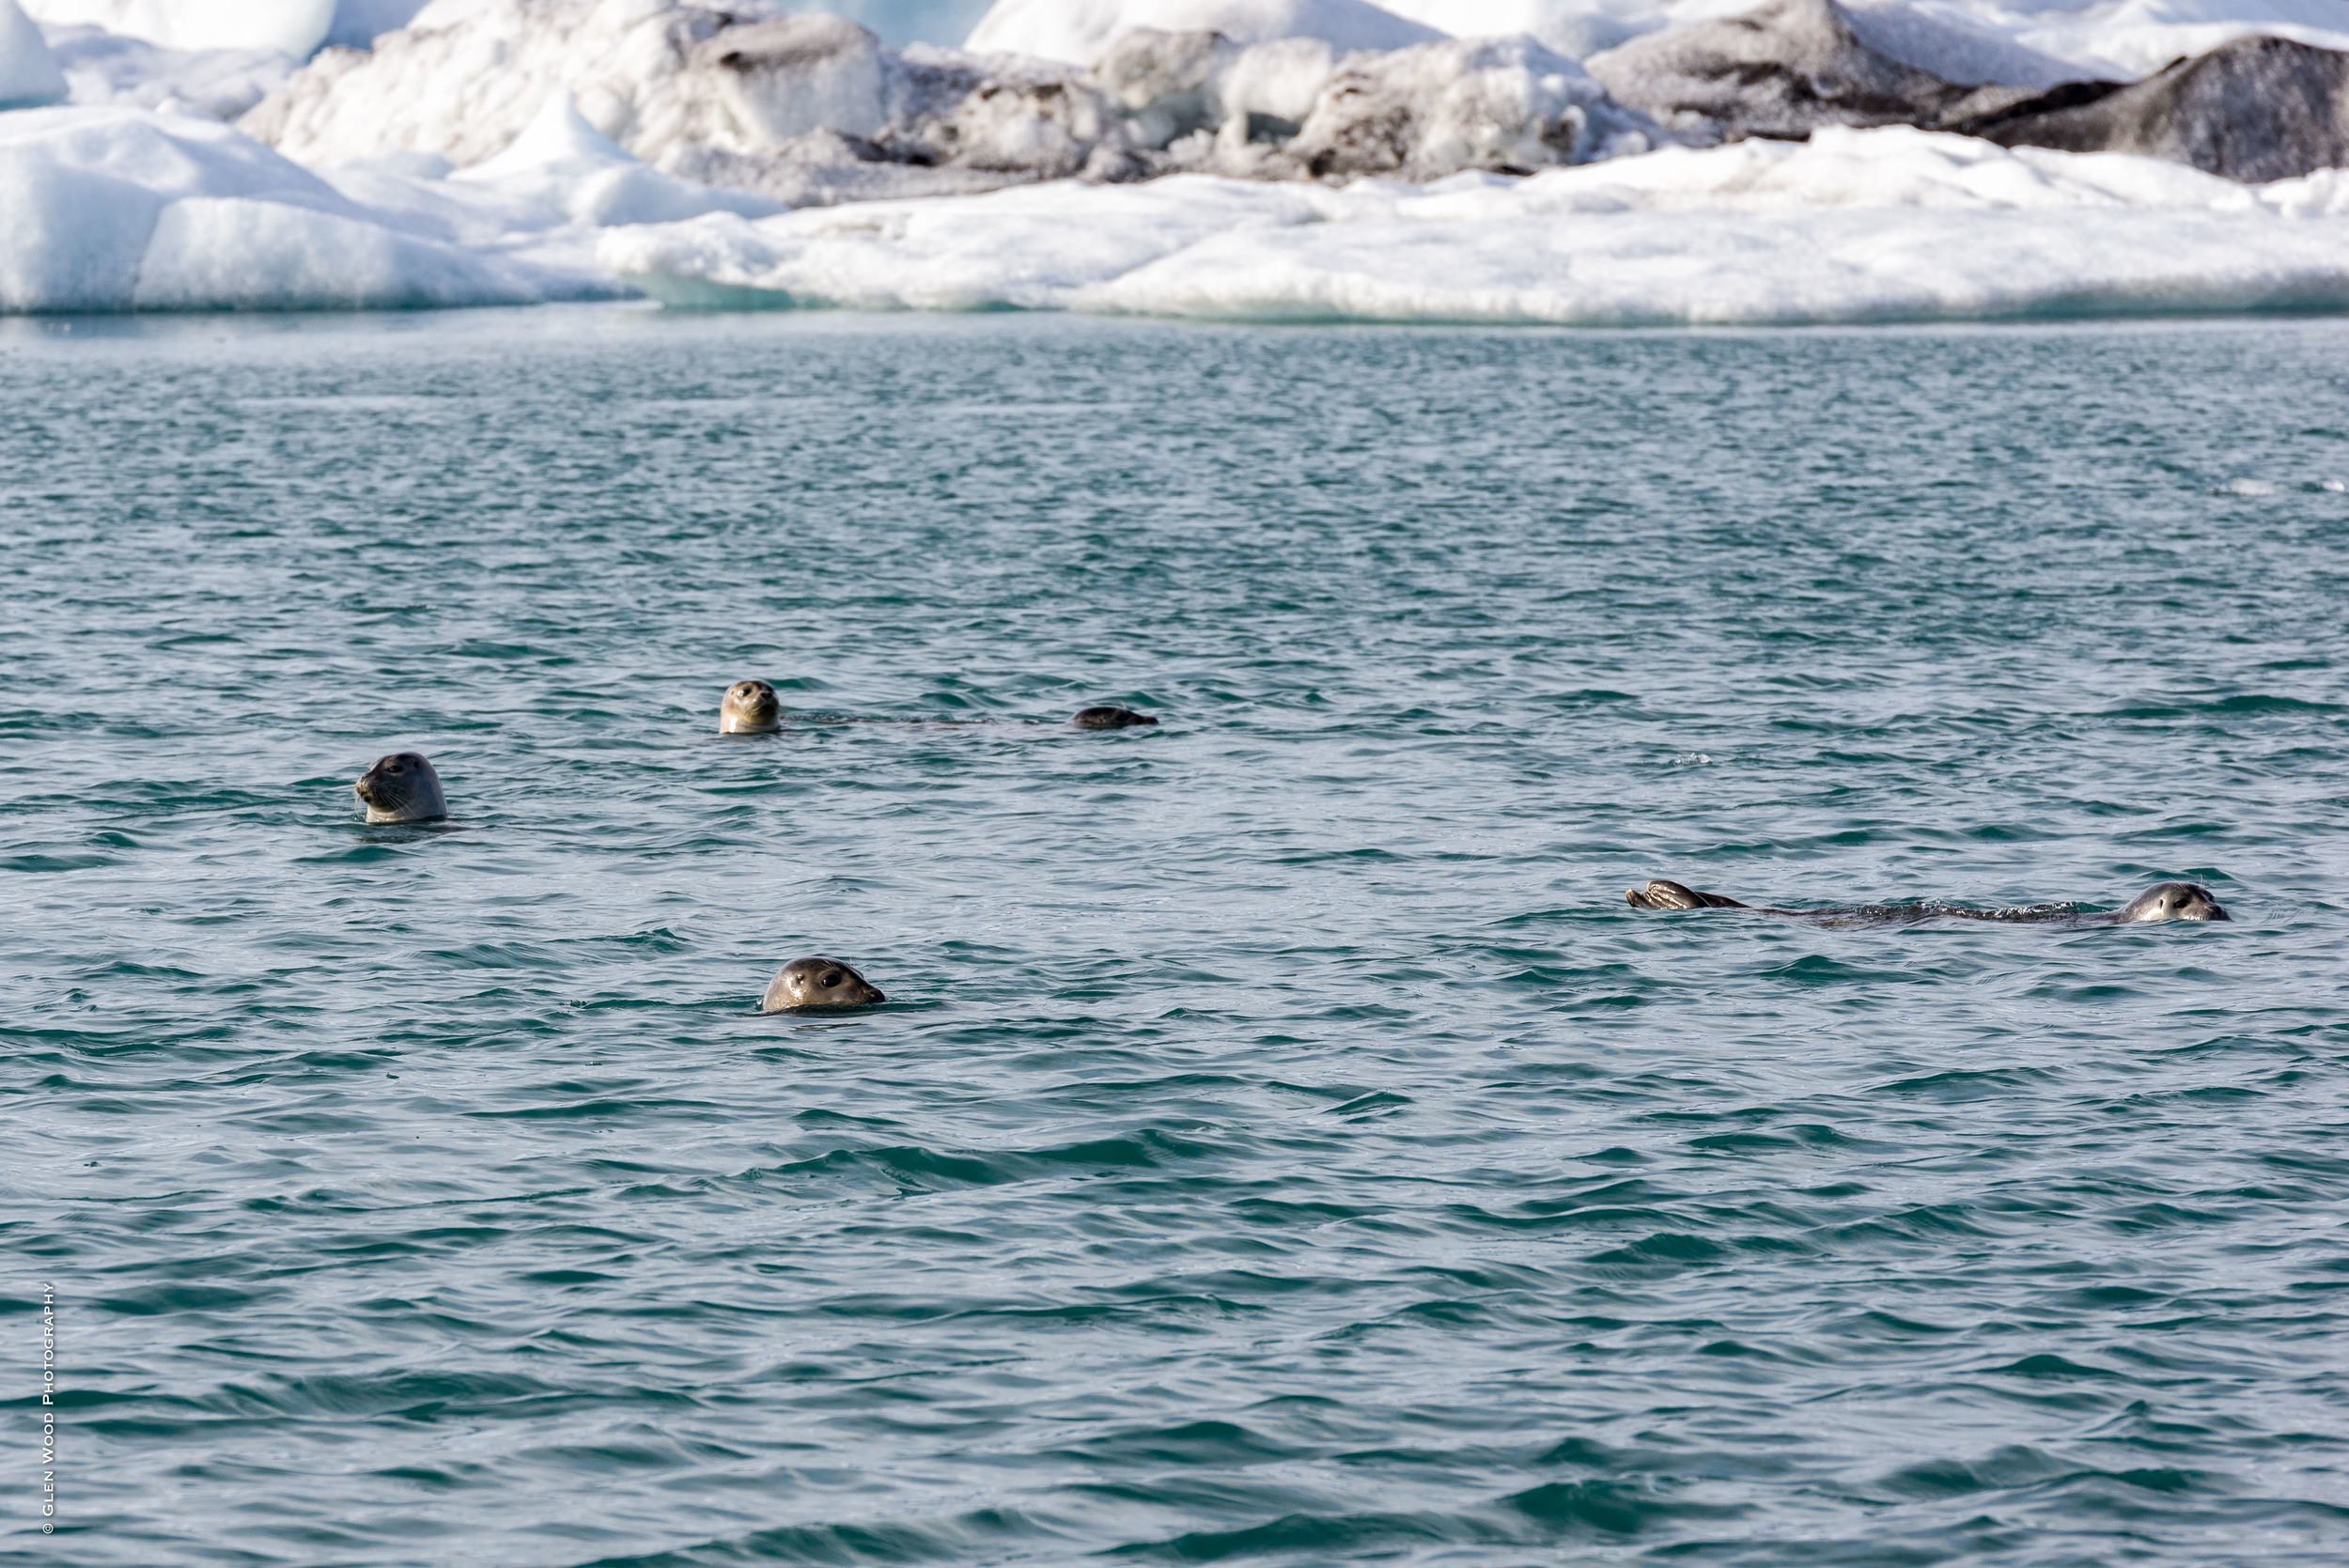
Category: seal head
<point>751,708</point>
<point>401,787</point>
<point>1108,718</point>
<point>2172,901</point>
<point>1660,895</point>
<point>808,984</point>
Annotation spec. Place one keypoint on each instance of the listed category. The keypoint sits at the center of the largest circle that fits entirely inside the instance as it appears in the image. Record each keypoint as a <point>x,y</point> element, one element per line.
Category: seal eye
<point>828,979</point>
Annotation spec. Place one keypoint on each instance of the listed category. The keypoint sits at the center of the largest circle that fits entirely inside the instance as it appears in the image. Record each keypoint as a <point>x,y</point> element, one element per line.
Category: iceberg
<point>29,76</point>
<point>507,152</point>
<point>1852,225</point>
<point>2256,108</point>
<point>292,27</point>
<point>115,208</point>
<point>1077,31</point>
<point>106,68</point>
<point>812,109</point>
<point>1788,67</point>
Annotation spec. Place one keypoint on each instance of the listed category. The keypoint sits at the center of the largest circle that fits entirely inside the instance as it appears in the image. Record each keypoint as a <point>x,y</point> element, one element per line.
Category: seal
<point>2162,901</point>
<point>1660,895</point>
<point>812,984</point>
<point>1108,718</point>
<point>751,708</point>
<point>2171,901</point>
<point>401,787</point>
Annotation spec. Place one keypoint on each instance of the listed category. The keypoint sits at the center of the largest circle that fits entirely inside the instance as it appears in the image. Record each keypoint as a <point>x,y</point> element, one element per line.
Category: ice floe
<point>1854,225</point>
<point>1077,31</point>
<point>115,208</point>
<point>29,76</point>
<point>286,27</point>
<point>1227,157</point>
<point>814,109</point>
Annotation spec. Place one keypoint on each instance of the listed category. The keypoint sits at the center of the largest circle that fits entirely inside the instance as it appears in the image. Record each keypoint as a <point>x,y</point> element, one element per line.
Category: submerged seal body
<point>1107,717</point>
<point>401,787</point>
<point>751,708</point>
<point>2162,901</point>
<point>807,984</point>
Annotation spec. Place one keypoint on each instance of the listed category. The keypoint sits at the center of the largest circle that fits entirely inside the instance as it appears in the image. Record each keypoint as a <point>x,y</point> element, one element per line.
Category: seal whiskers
<point>401,787</point>
<point>751,708</point>
<point>812,983</point>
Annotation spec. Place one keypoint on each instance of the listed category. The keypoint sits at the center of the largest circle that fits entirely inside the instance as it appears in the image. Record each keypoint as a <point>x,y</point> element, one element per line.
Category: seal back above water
<point>808,984</point>
<point>1109,717</point>
<point>2162,901</point>
<point>401,787</point>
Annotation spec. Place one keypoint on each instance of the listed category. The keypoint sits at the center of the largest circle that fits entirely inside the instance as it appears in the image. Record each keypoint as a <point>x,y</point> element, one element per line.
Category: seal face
<point>2172,901</point>
<point>811,984</point>
<point>1109,718</point>
<point>401,787</point>
<point>751,708</point>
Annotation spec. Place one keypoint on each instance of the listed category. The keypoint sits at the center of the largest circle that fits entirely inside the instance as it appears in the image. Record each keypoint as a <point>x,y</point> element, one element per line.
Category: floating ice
<point>1891,224</point>
<point>115,209</point>
<point>105,67</point>
<point>288,27</point>
<point>29,76</point>
<point>812,109</point>
<point>2253,109</point>
<point>1077,31</point>
<point>1789,65</point>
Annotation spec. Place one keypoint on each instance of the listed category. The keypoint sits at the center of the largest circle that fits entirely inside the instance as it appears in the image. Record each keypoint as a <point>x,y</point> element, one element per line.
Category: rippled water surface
<point>1283,1143</point>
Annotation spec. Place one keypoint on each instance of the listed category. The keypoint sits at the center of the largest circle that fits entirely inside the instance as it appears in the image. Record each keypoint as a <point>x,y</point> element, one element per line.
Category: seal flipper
<point>1661,895</point>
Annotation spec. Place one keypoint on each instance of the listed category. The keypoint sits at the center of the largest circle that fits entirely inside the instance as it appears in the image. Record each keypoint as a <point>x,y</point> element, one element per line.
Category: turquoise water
<point>1283,1143</point>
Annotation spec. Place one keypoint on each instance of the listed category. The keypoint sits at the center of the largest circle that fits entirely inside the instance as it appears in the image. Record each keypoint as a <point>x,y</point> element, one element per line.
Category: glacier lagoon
<point>1282,1144</point>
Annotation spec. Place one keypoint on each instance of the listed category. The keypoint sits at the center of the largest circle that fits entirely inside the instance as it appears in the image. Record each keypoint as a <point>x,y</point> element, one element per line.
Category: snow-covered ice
<point>1853,225</point>
<point>517,150</point>
<point>288,27</point>
<point>1077,31</point>
<point>29,76</point>
<point>115,209</point>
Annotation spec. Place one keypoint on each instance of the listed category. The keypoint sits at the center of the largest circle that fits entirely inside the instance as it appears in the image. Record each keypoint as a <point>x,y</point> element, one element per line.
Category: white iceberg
<point>1077,31</point>
<point>29,76</point>
<point>2116,39</point>
<point>292,27</point>
<point>110,209</point>
<point>1853,226</point>
<point>107,68</point>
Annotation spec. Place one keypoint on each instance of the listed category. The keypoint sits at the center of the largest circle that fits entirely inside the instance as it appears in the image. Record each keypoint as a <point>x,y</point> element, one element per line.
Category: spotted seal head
<point>811,984</point>
<point>751,708</point>
<point>1108,718</point>
<point>401,787</point>
<point>2172,901</point>
<point>1660,895</point>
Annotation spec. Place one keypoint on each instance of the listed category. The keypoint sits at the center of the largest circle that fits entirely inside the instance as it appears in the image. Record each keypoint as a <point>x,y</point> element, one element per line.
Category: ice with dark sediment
<point>506,150</point>
<point>1788,67</point>
<point>811,109</point>
<point>2254,109</point>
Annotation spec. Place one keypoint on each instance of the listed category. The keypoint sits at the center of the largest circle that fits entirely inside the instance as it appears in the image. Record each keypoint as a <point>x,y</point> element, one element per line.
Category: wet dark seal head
<point>812,983</point>
<point>2172,901</point>
<point>401,787</point>
<point>1660,895</point>
<point>1108,718</point>
<point>750,707</point>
